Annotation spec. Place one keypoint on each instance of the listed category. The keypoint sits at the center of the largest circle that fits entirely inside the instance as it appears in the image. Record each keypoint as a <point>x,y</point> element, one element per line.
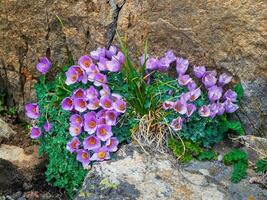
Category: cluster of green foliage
<point>185,150</point>
<point>261,165</point>
<point>62,170</point>
<point>207,155</point>
<point>239,160</point>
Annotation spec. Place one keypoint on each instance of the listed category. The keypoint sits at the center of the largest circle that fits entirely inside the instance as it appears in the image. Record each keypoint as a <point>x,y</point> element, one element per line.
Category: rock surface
<point>25,163</point>
<point>5,130</point>
<point>229,35</point>
<point>135,175</point>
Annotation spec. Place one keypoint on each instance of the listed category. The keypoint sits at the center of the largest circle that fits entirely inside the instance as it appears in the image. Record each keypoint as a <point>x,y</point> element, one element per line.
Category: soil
<point>38,188</point>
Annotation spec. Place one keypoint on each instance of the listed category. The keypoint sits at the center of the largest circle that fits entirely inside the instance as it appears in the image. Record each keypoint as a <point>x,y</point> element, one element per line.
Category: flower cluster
<point>94,109</point>
<point>220,101</point>
<point>32,109</point>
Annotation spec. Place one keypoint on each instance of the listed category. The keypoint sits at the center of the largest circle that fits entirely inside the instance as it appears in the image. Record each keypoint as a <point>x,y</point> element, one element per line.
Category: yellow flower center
<point>78,120</point>
<point>103,131</point>
<point>76,130</point>
<point>73,144</point>
<point>74,77</point>
<point>92,124</point>
<point>121,107</point>
<point>92,141</point>
<point>79,94</point>
<point>84,155</point>
<point>86,63</point>
<point>82,104</point>
<point>107,104</point>
<point>69,102</point>
<point>101,154</point>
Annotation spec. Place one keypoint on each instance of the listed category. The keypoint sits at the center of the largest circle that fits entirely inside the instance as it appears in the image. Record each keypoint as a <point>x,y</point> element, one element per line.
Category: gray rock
<point>215,34</point>
<point>136,175</point>
<point>21,198</point>
<point>5,131</point>
<point>10,178</point>
<point>16,195</point>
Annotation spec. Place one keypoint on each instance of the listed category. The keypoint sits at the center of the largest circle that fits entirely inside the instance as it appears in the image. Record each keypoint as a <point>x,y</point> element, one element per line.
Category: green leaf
<point>261,165</point>
<point>207,155</point>
<point>238,88</point>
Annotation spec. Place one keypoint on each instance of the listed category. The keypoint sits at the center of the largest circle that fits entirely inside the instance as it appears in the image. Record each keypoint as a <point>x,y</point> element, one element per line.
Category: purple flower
<point>215,93</point>
<point>230,107</point>
<point>115,97</point>
<point>177,124</point>
<point>100,79</point>
<point>91,93</point>
<point>112,144</point>
<point>101,113</point>
<point>180,107</point>
<point>80,105</point>
<point>35,132</point>
<point>85,62</point>
<point>113,65</point>
<point>111,117</point>
<point>91,143</point>
<point>191,108</point>
<point>102,64</point>
<point>76,119</point>
<point>104,132</point>
<point>185,96</point>
<point>111,52</point>
<point>93,69</point>
<point>230,95</point>
<point>224,79</point>
<point>195,94</point>
<point>152,63</point>
<point>106,103</point>
<point>93,104</point>
<point>191,85</point>
<point>73,145</point>
<point>82,76</point>
<point>105,91</point>
<point>79,93</point>
<point>221,108</point>
<point>75,130</point>
<point>101,121</point>
<point>213,110</point>
<point>101,154</point>
<point>90,123</point>
<point>209,79</point>
<point>199,71</point>
<point>170,56</point>
<point>72,76</point>
<point>167,105</point>
<point>120,57</point>
<point>98,53</point>
<point>84,157</point>
<point>47,126</point>
<point>32,110</point>
<point>181,66</point>
<point>204,111</point>
<point>120,106</point>
<point>44,65</point>
<point>67,104</point>
<point>184,79</point>
<point>163,64</point>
